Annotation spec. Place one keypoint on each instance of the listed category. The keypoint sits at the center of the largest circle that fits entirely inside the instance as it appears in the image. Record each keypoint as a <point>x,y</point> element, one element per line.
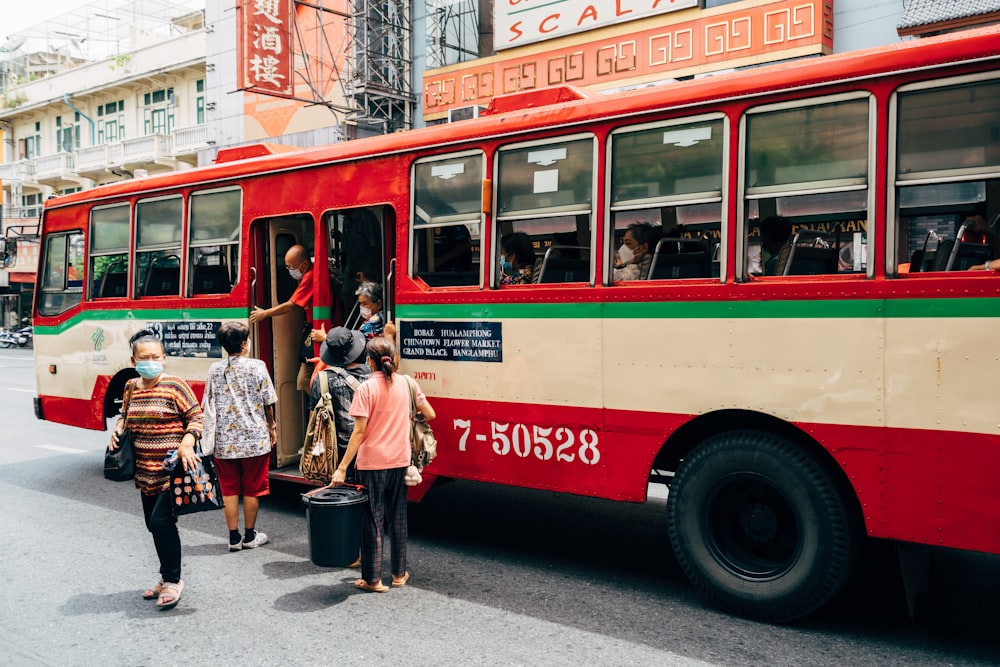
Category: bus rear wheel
<point>759,526</point>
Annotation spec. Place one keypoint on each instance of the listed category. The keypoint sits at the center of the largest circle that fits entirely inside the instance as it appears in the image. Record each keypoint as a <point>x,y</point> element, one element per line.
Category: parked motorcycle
<point>8,338</point>
<point>27,332</point>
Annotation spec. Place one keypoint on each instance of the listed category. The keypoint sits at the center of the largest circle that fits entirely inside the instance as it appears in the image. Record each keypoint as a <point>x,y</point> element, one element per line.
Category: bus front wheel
<point>759,526</point>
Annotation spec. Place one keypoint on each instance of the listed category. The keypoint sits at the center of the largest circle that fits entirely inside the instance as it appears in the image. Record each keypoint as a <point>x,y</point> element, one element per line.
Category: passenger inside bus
<point>517,259</point>
<point>634,256</point>
<point>775,231</point>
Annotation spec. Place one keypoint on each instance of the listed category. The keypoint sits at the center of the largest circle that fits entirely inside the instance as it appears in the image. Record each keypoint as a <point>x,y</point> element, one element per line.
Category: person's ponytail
<point>382,351</point>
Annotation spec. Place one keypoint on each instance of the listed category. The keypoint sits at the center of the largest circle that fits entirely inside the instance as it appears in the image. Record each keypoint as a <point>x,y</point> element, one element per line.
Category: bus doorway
<point>357,245</point>
<point>278,341</point>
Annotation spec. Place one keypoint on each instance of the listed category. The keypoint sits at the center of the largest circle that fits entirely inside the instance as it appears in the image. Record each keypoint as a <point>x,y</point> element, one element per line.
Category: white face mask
<point>295,273</point>
<point>625,254</point>
<point>366,312</point>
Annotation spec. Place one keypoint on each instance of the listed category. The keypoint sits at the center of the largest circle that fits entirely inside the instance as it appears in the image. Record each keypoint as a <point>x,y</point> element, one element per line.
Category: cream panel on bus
<point>942,373</point>
<point>95,348</point>
<point>896,372</point>
<point>824,371</point>
<point>547,362</point>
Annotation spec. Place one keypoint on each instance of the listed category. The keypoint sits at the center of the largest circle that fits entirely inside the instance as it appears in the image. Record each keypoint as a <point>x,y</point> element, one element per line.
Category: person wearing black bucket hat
<point>343,352</point>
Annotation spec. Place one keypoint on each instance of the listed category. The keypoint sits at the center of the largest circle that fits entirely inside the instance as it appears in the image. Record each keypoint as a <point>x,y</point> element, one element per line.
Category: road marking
<point>29,391</point>
<point>63,450</point>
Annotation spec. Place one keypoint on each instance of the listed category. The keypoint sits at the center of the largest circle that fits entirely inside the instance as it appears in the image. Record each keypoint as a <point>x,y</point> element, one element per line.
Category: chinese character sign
<point>266,57</point>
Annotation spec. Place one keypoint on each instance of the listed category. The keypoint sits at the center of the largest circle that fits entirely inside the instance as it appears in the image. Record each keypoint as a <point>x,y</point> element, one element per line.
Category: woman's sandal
<point>153,592</point>
<point>363,585</point>
<point>399,583</point>
<point>170,595</point>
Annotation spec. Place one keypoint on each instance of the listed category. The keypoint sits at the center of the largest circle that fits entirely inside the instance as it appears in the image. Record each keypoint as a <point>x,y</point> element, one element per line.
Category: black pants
<point>162,523</point>
<point>384,513</point>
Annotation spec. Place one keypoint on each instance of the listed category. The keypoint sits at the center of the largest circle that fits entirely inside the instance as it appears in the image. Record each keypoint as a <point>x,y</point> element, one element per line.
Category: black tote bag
<point>119,464</point>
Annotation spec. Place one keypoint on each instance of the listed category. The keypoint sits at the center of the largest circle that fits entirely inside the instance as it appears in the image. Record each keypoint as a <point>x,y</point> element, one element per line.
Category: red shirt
<point>303,294</point>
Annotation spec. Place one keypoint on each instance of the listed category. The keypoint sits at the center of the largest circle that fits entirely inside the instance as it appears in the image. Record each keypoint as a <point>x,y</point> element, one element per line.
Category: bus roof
<point>555,110</point>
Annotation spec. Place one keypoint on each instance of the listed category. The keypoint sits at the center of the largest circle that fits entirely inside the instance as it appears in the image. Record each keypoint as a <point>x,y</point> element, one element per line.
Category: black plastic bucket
<point>333,517</point>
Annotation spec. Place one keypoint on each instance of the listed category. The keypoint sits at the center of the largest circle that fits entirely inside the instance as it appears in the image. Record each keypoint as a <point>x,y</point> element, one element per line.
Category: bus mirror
<point>487,195</point>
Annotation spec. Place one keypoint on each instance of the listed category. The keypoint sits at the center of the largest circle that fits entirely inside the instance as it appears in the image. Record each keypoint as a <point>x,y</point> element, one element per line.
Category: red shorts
<point>244,477</point>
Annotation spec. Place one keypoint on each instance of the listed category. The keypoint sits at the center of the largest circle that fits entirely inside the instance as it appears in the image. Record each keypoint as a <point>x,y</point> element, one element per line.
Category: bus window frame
<point>894,183</point>
<point>744,196</point>
<point>445,221</point>
<point>91,295</point>
<point>668,200</point>
<point>65,289</point>
<point>152,248</point>
<point>234,271</point>
<point>549,212</point>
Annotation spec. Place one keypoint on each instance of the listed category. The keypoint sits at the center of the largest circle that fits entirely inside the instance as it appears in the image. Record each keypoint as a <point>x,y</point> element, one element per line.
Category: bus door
<point>357,253</point>
<point>278,340</point>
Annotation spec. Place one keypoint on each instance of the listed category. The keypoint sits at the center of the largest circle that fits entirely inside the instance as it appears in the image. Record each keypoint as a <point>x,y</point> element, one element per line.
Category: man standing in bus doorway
<point>300,267</point>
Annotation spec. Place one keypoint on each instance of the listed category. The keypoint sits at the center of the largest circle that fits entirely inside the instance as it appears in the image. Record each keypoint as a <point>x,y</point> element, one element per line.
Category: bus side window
<point>158,225</point>
<point>666,200</point>
<point>822,193</point>
<point>109,232</point>
<point>61,281</point>
<point>214,244</point>
<point>447,219</point>
<point>545,191</point>
<point>951,224</point>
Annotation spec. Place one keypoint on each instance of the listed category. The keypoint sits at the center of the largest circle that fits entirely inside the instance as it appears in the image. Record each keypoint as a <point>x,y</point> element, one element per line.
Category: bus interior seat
<point>164,277</point>
<point>563,264</point>
<point>969,248</point>
<point>810,253</point>
<point>211,278</point>
<point>644,266</point>
<point>114,282</point>
<point>680,258</point>
<point>536,270</point>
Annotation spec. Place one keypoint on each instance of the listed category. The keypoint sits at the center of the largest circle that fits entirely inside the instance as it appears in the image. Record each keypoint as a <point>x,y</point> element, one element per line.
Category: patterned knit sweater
<point>158,418</point>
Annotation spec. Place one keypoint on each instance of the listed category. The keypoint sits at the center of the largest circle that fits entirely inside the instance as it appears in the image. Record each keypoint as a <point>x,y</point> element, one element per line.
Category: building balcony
<point>94,161</point>
<point>56,169</point>
<point>149,152</point>
<point>189,140</point>
<point>22,170</point>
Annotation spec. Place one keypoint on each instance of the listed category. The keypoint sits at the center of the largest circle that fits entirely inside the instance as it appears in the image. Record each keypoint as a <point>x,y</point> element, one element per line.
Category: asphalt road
<point>500,576</point>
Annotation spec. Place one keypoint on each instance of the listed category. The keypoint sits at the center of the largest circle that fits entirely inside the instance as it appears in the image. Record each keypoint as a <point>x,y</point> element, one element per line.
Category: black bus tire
<point>760,528</point>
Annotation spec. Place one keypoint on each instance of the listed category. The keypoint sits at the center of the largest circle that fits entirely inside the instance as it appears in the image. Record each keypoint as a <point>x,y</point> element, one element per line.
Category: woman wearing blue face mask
<point>517,259</point>
<point>162,414</point>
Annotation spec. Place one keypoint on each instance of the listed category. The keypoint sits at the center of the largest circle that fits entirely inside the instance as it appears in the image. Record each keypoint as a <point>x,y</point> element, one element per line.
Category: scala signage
<point>519,22</point>
<point>265,46</point>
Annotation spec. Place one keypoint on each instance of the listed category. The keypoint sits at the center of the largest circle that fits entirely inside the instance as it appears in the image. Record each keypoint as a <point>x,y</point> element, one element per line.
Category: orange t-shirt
<point>386,443</point>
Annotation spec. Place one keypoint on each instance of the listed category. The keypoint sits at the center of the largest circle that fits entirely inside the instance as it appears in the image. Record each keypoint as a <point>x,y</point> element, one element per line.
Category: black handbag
<point>195,490</point>
<point>119,464</point>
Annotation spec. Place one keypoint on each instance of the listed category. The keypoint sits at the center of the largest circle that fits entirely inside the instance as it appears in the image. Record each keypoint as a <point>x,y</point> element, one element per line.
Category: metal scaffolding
<point>382,73</point>
<point>453,32</point>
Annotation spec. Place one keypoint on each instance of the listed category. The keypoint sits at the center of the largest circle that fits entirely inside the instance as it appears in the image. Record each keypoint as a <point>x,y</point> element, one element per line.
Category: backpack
<point>319,451</point>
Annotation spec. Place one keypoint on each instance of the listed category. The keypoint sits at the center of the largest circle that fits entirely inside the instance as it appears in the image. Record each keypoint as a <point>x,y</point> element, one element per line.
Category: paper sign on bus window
<point>446,171</point>
<point>546,181</point>
<point>687,137</point>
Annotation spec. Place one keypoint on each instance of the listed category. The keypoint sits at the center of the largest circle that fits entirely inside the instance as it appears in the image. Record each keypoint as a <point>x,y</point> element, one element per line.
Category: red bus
<point>798,396</point>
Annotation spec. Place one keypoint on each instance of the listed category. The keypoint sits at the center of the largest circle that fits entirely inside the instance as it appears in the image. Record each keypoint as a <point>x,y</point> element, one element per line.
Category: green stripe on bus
<point>789,309</point>
<point>195,314</point>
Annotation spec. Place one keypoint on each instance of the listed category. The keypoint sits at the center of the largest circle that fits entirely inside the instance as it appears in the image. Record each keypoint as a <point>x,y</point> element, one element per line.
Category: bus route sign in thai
<point>519,22</point>
<point>188,338</point>
<point>452,341</point>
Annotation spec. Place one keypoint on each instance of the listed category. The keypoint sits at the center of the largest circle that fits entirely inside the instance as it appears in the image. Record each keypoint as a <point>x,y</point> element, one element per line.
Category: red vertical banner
<point>265,46</point>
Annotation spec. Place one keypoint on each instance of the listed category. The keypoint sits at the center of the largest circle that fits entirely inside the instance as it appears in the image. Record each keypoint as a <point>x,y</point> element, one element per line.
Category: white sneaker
<point>258,539</point>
